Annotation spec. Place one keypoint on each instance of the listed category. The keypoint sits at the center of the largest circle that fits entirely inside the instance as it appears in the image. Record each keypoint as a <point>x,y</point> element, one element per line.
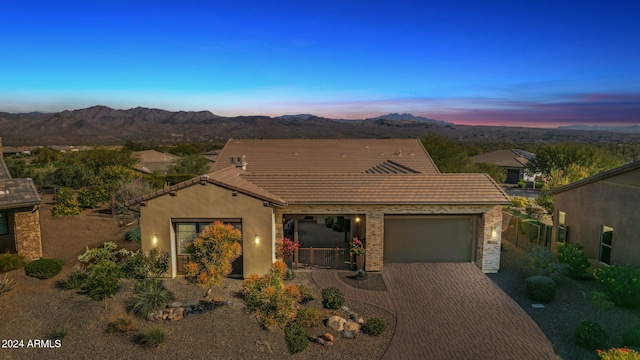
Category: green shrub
<point>103,280</point>
<point>332,298</point>
<point>572,255</point>
<point>540,261</point>
<point>93,196</point>
<point>374,327</point>
<point>296,337</point>
<point>519,201</point>
<point>308,317</point>
<point>60,332</point>
<point>621,284</point>
<point>307,296</point>
<point>619,354</point>
<point>137,265</point>
<point>133,235</point>
<point>122,325</point>
<point>9,261</point>
<point>631,336</point>
<point>154,337</point>
<point>541,288</point>
<point>328,221</point>
<point>591,335</point>
<point>361,275</point>
<point>74,280</point>
<point>43,268</point>
<point>150,295</point>
<point>522,184</point>
<point>6,284</point>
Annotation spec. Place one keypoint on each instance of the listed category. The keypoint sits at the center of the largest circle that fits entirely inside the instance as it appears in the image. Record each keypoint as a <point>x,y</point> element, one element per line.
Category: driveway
<point>449,311</point>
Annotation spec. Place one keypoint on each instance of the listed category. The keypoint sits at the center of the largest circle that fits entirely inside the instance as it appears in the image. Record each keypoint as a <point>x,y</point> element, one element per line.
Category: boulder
<point>336,323</point>
<point>348,334</point>
<point>263,346</point>
<point>351,325</point>
<point>175,304</point>
<point>327,336</point>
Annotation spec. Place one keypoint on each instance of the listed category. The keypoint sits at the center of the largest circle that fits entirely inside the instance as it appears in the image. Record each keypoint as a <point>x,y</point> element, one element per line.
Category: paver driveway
<point>449,311</point>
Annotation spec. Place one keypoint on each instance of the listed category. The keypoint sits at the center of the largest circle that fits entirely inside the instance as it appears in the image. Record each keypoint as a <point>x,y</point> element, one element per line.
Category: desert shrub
<point>296,337</point>
<point>154,337</point>
<point>618,354</point>
<point>150,295</point>
<point>535,211</point>
<point>572,255</point>
<point>621,284</point>
<point>308,317</point>
<point>6,284</point>
<point>43,268</point>
<point>137,265</point>
<point>122,325</point>
<point>541,288</point>
<point>328,221</point>
<point>103,280</point>
<point>540,261</point>
<point>66,209</point>
<point>361,275</point>
<point>591,335</point>
<point>93,196</point>
<point>108,252</point>
<point>74,280</point>
<point>332,298</point>
<point>9,261</point>
<point>374,326</point>
<point>522,184</point>
<point>290,275</point>
<point>631,336</point>
<point>519,201</point>
<point>133,235</point>
<point>267,298</point>
<point>306,294</point>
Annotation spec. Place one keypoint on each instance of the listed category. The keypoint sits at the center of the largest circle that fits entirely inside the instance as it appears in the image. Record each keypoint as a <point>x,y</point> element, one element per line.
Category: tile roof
<point>305,156</point>
<point>602,176</point>
<point>152,160</point>
<point>16,193</point>
<point>506,158</point>
<point>4,171</point>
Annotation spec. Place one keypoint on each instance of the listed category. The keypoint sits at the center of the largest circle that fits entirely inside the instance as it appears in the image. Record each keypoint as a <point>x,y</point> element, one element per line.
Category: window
<point>606,237</point>
<point>561,231</point>
<point>4,223</point>
<point>187,231</point>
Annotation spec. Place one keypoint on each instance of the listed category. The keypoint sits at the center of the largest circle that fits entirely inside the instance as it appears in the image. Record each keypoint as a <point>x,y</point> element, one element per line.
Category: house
<point>150,161</point>
<point>601,214</point>
<point>513,161</point>
<point>388,192</point>
<point>19,215</point>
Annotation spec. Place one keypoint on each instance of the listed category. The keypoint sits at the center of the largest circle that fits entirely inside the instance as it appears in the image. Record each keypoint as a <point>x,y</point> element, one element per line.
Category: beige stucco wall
<point>211,201</point>
<point>590,206</point>
<point>488,248</point>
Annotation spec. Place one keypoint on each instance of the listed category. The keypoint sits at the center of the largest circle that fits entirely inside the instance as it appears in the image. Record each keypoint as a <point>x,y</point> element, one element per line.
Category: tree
<point>448,156</point>
<point>110,176</point>
<point>103,280</point>
<point>556,179</point>
<point>561,156</point>
<point>16,167</point>
<point>98,158</point>
<point>46,156</point>
<point>186,168</point>
<point>496,172</point>
<point>211,255</point>
<point>73,176</point>
<point>127,191</point>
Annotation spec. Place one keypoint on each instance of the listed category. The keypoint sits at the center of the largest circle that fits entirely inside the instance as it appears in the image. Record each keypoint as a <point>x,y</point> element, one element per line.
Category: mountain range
<point>104,125</point>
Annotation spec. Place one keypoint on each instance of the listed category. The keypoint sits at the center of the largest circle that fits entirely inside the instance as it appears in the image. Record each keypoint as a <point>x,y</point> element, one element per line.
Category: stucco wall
<point>590,206</point>
<point>487,256</point>
<point>211,201</point>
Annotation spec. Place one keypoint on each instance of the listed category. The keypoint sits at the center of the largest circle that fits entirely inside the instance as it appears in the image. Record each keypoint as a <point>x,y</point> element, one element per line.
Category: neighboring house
<point>601,214</point>
<point>150,161</point>
<point>211,155</point>
<point>389,191</point>
<point>513,161</point>
<point>19,215</point>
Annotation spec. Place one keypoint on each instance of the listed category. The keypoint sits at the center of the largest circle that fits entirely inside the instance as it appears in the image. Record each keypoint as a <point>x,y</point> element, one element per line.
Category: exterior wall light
<point>256,240</point>
<point>357,219</point>
<point>154,240</point>
<point>494,232</point>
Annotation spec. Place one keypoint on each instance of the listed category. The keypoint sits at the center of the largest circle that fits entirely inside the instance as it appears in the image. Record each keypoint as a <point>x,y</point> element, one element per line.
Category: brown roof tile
<point>16,193</point>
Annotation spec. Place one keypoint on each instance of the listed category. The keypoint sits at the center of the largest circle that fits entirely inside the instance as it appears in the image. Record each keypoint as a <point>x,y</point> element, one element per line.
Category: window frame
<point>200,224</point>
<point>605,229</point>
<point>4,223</point>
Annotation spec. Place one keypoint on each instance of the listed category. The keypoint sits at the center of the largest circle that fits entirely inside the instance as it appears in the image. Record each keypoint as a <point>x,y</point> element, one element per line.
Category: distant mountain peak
<point>296,117</point>
<point>408,117</point>
<point>624,129</point>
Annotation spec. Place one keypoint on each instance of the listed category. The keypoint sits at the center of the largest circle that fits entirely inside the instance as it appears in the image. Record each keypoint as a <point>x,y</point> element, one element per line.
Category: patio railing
<point>322,258</point>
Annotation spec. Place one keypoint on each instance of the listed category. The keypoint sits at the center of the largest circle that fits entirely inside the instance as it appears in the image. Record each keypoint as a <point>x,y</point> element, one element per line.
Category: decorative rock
<point>537,306</point>
<point>228,302</point>
<point>360,320</point>
<point>344,308</point>
<point>263,346</point>
<point>321,341</point>
<point>327,336</point>
<point>348,334</point>
<point>190,303</point>
<point>352,326</point>
<point>336,323</point>
<point>175,304</point>
<point>329,343</point>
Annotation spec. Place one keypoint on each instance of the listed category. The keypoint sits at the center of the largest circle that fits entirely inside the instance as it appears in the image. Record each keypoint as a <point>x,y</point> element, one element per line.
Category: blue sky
<point>529,63</point>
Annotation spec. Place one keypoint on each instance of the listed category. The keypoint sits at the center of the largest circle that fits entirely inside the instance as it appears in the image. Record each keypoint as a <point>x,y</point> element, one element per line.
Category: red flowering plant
<point>618,354</point>
<point>356,247</point>
<point>288,247</point>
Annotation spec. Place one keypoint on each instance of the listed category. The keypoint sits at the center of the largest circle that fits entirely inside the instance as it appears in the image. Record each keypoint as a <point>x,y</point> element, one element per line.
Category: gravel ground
<point>37,309</point>
<point>558,320</point>
<point>374,281</point>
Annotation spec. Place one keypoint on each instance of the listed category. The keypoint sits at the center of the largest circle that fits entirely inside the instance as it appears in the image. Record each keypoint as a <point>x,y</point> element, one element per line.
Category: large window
<point>4,223</point>
<point>561,231</point>
<point>606,241</point>
<point>187,230</point>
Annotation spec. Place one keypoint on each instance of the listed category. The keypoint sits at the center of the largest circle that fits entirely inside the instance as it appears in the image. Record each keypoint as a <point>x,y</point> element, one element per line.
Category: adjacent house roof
<point>151,160</point>
<point>328,156</point>
<point>505,158</point>
<point>631,181</point>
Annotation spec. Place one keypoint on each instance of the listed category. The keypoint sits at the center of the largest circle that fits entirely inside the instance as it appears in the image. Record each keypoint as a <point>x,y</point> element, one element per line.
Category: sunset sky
<point>522,63</point>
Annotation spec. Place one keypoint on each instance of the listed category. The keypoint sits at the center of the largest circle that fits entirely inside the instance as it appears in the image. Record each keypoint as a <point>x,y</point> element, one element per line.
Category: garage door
<point>428,238</point>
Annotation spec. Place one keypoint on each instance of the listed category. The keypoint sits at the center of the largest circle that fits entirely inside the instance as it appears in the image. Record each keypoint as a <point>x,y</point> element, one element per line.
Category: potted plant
<point>357,250</point>
<point>287,249</point>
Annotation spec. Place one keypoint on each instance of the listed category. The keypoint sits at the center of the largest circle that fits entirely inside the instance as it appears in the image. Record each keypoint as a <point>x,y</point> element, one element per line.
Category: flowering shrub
<point>356,247</point>
<point>618,354</point>
<point>572,255</point>
<point>621,284</point>
<point>288,247</point>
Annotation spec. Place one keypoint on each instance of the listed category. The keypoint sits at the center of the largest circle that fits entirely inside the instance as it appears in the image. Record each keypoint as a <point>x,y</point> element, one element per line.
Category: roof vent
<point>239,162</point>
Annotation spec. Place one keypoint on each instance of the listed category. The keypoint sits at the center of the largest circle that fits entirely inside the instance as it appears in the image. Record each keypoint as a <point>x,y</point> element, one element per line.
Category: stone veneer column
<point>488,256</point>
<point>374,240</point>
<point>27,233</point>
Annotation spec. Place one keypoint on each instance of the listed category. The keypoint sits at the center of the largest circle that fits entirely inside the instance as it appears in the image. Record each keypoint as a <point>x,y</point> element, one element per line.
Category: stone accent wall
<point>488,250</point>
<point>27,233</point>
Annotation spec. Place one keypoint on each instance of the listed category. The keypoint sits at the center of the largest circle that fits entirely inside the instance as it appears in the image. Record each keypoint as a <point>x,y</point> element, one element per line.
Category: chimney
<point>239,161</point>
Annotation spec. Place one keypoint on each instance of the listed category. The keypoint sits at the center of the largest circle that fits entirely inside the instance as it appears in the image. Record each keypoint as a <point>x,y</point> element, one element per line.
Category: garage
<point>427,238</point>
